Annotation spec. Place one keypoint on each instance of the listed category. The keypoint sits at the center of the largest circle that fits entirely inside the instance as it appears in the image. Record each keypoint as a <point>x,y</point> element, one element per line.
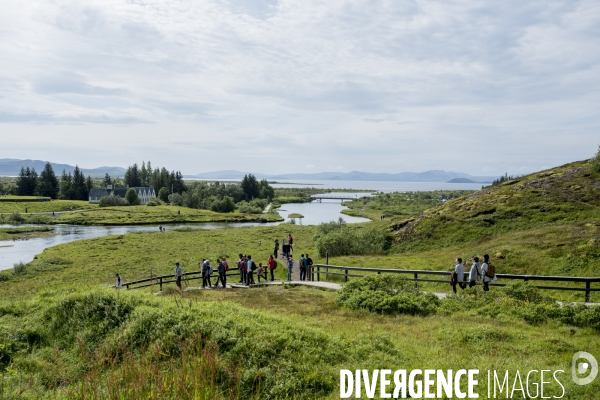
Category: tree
<point>132,176</point>
<point>79,190</point>
<point>250,187</point>
<point>596,161</point>
<point>89,184</point>
<point>66,186</point>
<point>265,191</point>
<point>107,180</point>
<point>26,182</point>
<point>163,194</point>
<point>132,197</point>
<point>47,184</point>
<point>143,175</point>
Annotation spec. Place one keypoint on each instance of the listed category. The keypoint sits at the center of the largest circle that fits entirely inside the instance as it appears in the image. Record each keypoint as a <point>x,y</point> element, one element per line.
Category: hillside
<point>12,167</point>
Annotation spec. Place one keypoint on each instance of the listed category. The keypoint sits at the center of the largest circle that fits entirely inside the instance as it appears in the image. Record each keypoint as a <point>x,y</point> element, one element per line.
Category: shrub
<point>154,202</point>
<point>111,201</point>
<point>19,268</point>
<point>176,199</point>
<point>132,197</point>
<point>16,218</point>
<point>339,239</point>
<point>525,292</point>
<point>387,294</point>
<point>225,205</point>
<point>163,194</point>
<point>252,207</point>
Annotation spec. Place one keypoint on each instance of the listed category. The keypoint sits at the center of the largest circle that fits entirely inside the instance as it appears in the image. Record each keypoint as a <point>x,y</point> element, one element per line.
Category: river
<point>12,252</point>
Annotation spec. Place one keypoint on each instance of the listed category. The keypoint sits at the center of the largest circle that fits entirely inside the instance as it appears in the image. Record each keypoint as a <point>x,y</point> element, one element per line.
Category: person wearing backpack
<point>460,275</point>
<point>276,249</point>
<point>488,271</point>
<point>206,268</point>
<point>272,264</point>
<point>242,268</point>
<point>290,242</point>
<point>302,266</point>
<point>222,270</point>
<point>474,272</point>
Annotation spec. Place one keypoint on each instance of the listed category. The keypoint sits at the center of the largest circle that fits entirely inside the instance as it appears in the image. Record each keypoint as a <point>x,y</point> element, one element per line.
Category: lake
<point>379,186</point>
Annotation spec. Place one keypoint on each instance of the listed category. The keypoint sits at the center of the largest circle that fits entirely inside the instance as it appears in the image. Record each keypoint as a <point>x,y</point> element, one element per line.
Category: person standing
<point>250,267</point>
<point>302,266</point>
<point>290,268</point>
<point>222,270</point>
<point>206,274</point>
<point>242,266</point>
<point>309,268</point>
<point>119,284</point>
<point>291,242</point>
<point>276,249</point>
<point>488,272</point>
<point>272,264</point>
<point>259,272</point>
<point>474,272</point>
<point>460,275</point>
<point>178,274</point>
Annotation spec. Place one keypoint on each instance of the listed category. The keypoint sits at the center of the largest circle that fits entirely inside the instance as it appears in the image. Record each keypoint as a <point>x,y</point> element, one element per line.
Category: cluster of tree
<point>503,178</point>
<point>70,187</point>
<point>157,178</point>
<point>222,197</point>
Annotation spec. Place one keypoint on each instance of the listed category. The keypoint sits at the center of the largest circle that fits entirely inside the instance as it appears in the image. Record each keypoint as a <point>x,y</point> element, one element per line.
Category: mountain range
<point>12,167</point>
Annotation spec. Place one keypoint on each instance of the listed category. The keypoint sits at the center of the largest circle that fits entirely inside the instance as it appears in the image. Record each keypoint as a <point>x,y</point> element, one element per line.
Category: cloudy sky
<point>301,86</point>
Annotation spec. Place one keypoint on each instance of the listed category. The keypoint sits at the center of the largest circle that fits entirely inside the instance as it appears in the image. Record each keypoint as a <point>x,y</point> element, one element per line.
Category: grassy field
<point>19,233</point>
<point>65,334</point>
<point>45,206</point>
<point>12,198</point>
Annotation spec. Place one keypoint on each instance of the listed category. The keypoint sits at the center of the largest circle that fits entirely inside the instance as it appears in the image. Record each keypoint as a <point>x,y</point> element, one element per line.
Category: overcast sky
<point>483,87</point>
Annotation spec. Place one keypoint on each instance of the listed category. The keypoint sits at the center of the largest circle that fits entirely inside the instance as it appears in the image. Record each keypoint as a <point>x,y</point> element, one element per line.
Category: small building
<point>144,193</point>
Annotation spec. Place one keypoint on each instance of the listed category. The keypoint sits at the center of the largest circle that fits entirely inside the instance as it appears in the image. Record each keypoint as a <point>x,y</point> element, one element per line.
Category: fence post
<point>345,275</point>
<point>161,283</point>
<point>416,277</point>
<point>327,257</point>
<point>587,291</point>
<point>318,273</point>
<point>127,286</point>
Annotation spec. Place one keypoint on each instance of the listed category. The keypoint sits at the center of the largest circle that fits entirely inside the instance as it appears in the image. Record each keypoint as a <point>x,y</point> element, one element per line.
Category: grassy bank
<point>44,206</point>
<point>19,233</point>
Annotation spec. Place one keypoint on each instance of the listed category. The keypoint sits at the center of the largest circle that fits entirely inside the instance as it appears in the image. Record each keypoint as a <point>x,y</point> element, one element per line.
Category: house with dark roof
<point>144,193</point>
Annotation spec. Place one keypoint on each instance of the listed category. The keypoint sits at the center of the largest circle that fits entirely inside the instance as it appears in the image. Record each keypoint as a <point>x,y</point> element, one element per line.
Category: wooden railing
<point>320,270</point>
<point>164,279</point>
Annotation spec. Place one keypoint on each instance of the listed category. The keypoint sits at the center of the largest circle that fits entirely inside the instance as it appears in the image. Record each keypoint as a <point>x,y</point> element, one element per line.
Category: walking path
<point>268,208</point>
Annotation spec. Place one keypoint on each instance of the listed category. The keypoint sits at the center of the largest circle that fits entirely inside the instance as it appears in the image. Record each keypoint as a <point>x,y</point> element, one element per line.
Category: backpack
<point>491,270</point>
<point>275,264</point>
<point>210,270</point>
<point>253,266</point>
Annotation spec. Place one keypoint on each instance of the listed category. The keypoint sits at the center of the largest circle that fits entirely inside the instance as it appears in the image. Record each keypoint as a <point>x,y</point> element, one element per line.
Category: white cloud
<point>371,85</point>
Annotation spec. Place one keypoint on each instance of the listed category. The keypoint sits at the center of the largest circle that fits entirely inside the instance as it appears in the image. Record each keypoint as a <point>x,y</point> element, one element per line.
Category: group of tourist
<point>485,272</point>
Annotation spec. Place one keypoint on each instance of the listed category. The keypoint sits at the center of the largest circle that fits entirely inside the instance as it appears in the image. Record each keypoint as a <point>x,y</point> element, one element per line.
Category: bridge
<point>342,198</point>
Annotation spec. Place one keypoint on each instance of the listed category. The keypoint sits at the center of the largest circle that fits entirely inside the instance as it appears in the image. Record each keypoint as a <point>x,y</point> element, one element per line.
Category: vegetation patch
<point>295,215</point>
<point>339,239</point>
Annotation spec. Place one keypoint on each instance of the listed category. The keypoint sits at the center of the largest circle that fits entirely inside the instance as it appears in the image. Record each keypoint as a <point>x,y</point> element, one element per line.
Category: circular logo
<point>580,367</point>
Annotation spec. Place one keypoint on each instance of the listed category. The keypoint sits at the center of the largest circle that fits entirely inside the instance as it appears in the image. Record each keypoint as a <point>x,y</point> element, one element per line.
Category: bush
<point>16,218</point>
<point>111,201</point>
<point>387,294</point>
<point>525,292</point>
<point>256,206</point>
<point>19,268</point>
<point>339,239</point>
<point>176,199</point>
<point>154,202</point>
<point>226,205</point>
<point>132,197</point>
<point>163,194</point>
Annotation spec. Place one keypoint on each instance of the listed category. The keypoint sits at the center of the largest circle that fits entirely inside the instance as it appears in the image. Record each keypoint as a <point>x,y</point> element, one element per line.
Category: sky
<point>270,86</point>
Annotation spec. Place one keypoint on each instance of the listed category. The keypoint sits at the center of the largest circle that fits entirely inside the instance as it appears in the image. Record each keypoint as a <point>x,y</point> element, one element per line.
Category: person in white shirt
<point>178,274</point>
<point>474,273</point>
<point>460,275</point>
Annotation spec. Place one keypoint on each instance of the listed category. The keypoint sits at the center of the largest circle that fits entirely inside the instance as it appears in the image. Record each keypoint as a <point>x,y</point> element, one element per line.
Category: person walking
<point>309,268</point>
<point>276,249</point>
<point>291,242</point>
<point>222,270</point>
<point>241,267</point>
<point>259,272</point>
<point>206,274</point>
<point>474,272</point>
<point>178,274</point>
<point>488,272</point>
<point>302,265</point>
<point>119,284</point>
<point>460,275</point>
<point>290,268</point>
<point>250,267</point>
<point>272,264</point>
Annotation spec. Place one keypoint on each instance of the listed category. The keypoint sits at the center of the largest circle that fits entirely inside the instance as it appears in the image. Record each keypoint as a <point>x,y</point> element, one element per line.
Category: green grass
<point>22,199</point>
<point>45,206</point>
<point>295,215</point>
<point>25,232</point>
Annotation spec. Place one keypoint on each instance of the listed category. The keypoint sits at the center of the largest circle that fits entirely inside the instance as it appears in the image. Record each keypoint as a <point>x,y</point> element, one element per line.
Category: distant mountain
<point>463,180</point>
<point>427,176</point>
<point>12,167</point>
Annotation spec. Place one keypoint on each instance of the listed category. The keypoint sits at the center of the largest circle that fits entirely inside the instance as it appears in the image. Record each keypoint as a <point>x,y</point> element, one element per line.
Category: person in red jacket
<point>272,265</point>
